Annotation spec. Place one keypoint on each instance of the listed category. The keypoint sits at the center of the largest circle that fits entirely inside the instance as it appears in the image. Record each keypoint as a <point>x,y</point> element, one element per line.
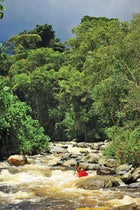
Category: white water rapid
<point>39,186</point>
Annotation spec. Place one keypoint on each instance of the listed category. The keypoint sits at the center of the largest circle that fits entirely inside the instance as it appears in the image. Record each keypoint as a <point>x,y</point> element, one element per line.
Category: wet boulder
<point>17,160</point>
<point>93,158</point>
<point>124,168</point>
<point>111,163</point>
<point>135,185</point>
<point>103,170</point>
<point>136,174</point>
<point>69,163</point>
<point>98,182</point>
<point>58,149</point>
<point>127,177</point>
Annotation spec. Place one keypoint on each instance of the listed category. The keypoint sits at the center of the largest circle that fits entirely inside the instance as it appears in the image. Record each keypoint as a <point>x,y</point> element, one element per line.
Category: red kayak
<point>82,173</point>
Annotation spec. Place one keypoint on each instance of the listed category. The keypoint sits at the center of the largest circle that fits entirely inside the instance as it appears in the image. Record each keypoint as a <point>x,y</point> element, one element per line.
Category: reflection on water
<point>38,186</point>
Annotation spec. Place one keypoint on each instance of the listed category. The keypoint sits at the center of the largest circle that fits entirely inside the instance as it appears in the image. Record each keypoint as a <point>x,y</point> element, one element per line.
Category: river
<point>39,186</point>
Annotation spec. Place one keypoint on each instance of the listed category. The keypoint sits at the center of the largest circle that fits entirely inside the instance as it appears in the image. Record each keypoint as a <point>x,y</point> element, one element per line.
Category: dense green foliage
<point>125,145</point>
<point>19,133</point>
<point>88,89</point>
<point>2,9</point>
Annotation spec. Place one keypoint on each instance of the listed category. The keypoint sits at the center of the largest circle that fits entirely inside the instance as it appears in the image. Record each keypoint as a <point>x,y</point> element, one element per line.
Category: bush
<point>125,145</point>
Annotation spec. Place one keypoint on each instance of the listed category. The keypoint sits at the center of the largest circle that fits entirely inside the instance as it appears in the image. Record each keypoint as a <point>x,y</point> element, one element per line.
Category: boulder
<point>93,158</point>
<point>124,168</point>
<point>112,163</point>
<point>127,177</point>
<point>134,185</point>
<point>102,170</point>
<point>136,174</point>
<point>58,149</point>
<point>17,160</point>
<point>98,182</point>
<point>70,163</point>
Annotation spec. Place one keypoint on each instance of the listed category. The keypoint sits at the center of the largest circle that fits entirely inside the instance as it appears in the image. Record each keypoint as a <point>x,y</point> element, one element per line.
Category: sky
<point>63,15</point>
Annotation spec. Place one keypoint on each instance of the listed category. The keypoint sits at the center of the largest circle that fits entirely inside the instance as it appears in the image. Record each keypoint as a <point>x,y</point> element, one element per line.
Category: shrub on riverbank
<point>125,145</point>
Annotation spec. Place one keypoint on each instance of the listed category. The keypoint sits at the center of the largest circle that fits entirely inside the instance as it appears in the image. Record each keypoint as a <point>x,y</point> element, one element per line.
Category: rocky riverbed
<point>90,156</point>
<point>48,180</point>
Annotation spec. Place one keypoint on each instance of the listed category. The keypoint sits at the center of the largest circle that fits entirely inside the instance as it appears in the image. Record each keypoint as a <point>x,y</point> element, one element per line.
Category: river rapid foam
<point>41,185</point>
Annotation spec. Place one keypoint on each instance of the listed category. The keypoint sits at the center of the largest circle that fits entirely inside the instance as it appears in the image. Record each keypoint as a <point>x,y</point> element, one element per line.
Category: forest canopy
<point>86,88</point>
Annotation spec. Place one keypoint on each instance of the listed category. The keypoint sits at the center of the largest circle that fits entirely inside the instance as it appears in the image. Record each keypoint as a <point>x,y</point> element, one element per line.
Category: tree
<point>87,90</point>
<point>33,80</point>
<point>90,35</point>
<point>94,54</point>
<point>45,32</point>
<point>105,51</point>
<point>48,38</point>
<point>2,9</point>
<point>19,133</point>
<point>20,43</point>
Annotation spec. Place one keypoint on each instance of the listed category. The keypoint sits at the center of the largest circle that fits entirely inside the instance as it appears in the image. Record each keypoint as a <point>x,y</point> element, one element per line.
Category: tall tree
<point>19,133</point>
<point>46,33</point>
<point>33,81</point>
<point>48,38</point>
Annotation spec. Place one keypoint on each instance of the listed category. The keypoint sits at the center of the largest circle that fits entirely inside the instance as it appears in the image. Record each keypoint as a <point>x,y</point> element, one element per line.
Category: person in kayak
<point>80,172</point>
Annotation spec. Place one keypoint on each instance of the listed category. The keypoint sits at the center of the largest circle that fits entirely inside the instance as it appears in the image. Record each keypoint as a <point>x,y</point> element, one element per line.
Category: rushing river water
<point>39,186</point>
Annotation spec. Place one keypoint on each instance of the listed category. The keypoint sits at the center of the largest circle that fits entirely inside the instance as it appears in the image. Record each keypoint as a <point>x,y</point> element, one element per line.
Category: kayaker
<point>80,171</point>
